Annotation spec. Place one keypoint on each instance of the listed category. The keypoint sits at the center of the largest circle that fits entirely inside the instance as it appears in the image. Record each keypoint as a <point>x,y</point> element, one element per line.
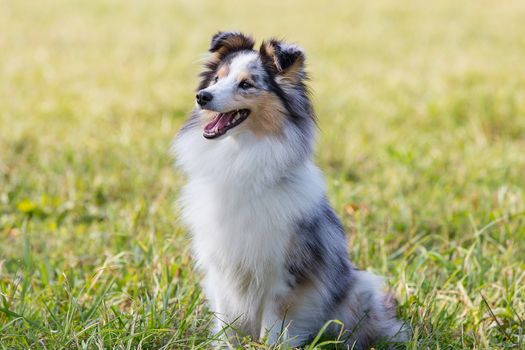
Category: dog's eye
<point>216,79</point>
<point>245,85</point>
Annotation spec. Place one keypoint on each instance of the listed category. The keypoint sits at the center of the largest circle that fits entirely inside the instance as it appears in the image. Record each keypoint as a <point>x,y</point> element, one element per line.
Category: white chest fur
<point>242,215</point>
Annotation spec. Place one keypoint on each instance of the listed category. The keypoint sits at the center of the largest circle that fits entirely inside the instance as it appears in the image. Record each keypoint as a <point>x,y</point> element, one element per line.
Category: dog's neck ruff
<point>242,160</point>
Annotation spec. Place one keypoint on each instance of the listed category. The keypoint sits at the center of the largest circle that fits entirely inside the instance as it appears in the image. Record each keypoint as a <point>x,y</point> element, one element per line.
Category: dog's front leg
<point>227,330</point>
<point>277,330</point>
<point>223,331</point>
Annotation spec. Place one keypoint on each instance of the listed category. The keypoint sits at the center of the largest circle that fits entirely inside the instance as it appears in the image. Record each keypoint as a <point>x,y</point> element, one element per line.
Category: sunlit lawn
<point>421,109</point>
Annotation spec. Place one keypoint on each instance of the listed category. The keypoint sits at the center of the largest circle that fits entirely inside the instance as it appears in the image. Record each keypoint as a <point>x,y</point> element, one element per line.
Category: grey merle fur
<point>312,260</point>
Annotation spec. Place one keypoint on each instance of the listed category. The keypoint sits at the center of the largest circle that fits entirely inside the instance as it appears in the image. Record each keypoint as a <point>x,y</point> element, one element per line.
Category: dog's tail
<point>370,314</point>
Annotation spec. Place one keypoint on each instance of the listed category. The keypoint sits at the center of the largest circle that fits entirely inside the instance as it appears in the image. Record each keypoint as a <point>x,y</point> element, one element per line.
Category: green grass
<point>422,118</point>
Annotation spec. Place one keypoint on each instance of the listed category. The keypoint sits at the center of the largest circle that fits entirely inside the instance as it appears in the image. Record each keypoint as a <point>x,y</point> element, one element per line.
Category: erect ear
<point>286,60</point>
<point>224,43</point>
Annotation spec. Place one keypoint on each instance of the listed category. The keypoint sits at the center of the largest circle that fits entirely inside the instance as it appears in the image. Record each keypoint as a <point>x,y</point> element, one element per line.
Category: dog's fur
<point>271,248</point>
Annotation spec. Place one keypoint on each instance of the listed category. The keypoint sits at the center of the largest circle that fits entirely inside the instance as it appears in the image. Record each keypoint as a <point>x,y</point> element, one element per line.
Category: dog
<point>271,249</point>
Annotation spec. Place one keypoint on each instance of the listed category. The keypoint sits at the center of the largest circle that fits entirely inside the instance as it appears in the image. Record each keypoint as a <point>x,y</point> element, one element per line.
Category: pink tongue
<point>218,122</point>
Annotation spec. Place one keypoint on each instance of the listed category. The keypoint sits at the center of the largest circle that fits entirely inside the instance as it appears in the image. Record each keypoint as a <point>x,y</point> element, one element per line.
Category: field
<point>421,110</point>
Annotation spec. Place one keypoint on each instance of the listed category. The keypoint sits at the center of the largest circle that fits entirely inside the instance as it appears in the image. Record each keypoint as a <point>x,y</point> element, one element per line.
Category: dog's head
<point>245,90</point>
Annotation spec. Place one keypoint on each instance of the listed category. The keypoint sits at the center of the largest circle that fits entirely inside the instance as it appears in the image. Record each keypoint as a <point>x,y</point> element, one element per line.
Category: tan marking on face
<point>223,71</point>
<point>267,114</point>
<point>245,76</point>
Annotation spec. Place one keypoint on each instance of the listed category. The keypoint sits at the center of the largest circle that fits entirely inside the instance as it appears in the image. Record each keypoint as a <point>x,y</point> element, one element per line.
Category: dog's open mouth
<point>223,122</point>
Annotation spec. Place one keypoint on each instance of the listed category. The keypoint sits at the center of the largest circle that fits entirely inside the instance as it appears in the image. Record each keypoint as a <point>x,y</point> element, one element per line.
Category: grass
<point>422,118</point>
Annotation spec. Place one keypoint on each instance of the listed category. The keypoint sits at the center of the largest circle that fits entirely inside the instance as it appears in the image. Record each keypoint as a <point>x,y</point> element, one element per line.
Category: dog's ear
<point>224,43</point>
<point>284,60</point>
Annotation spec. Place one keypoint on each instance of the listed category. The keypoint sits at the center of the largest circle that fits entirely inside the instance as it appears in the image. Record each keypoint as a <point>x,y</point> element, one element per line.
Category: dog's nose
<point>203,97</point>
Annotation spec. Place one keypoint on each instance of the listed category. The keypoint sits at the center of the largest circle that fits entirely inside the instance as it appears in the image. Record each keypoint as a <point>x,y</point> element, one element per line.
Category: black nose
<point>203,97</point>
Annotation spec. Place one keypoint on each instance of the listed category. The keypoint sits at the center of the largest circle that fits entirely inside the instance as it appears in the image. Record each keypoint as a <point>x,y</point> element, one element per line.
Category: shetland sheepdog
<point>270,247</point>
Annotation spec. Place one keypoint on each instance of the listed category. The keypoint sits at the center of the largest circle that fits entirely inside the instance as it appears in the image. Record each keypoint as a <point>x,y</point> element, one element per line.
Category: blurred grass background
<point>422,118</point>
